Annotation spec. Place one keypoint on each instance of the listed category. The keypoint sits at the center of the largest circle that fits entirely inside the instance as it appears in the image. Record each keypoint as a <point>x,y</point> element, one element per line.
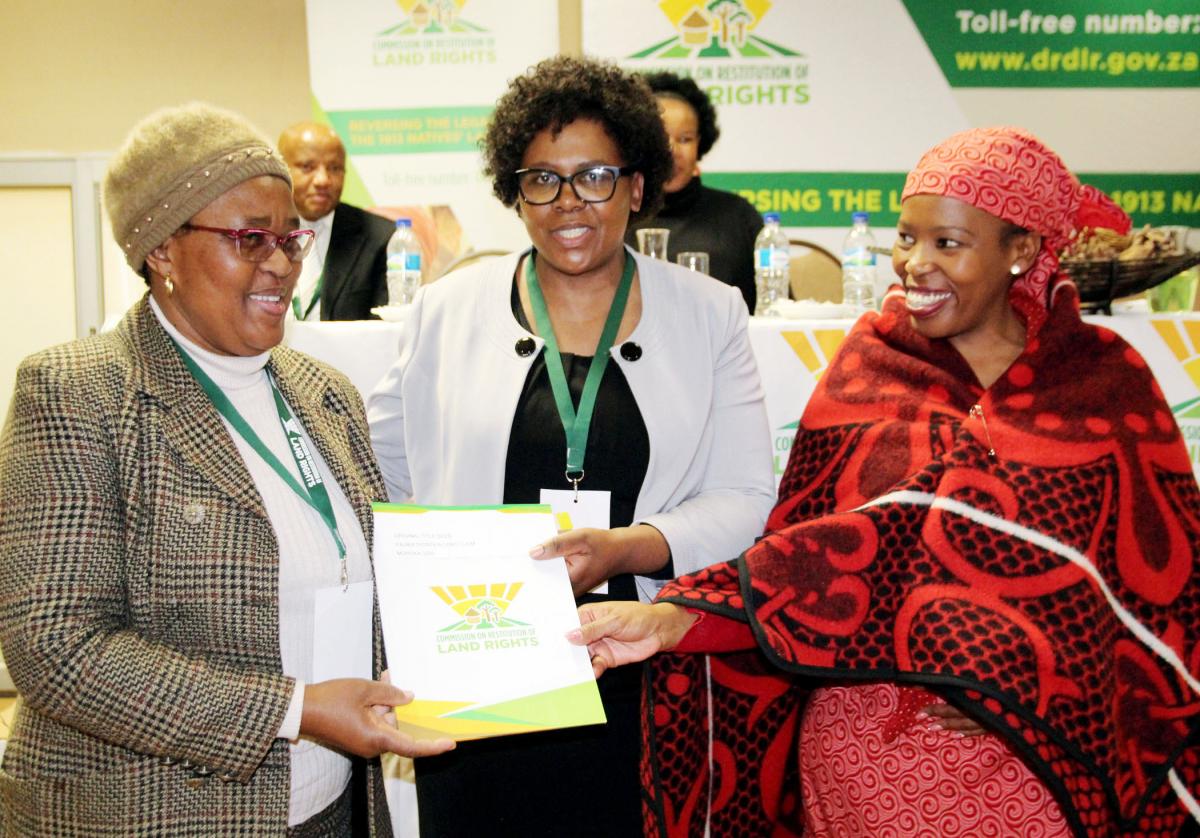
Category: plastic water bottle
<point>772,253</point>
<point>858,266</point>
<point>403,264</point>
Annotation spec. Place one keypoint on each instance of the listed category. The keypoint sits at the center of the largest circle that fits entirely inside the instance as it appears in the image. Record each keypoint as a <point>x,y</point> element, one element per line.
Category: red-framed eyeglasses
<point>257,245</point>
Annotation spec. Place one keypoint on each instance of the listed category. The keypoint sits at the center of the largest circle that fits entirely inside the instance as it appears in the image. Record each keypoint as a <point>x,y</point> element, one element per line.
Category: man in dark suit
<point>346,269</point>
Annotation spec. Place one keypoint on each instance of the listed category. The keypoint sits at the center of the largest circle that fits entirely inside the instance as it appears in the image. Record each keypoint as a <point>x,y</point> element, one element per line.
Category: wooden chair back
<point>814,273</point>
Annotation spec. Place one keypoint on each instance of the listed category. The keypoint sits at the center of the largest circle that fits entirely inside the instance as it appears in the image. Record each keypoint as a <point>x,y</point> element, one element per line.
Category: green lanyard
<point>313,492</point>
<point>576,425</point>
<point>316,296</point>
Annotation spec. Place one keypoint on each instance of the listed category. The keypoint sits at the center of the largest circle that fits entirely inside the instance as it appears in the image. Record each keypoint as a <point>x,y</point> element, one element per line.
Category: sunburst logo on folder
<point>480,607</point>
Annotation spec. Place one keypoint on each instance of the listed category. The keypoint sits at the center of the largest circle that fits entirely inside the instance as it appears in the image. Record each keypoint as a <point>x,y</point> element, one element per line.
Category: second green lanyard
<point>316,296</point>
<point>576,423</point>
<point>312,491</point>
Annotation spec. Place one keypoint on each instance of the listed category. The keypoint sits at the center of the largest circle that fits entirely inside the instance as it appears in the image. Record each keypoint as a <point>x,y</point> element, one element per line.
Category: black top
<point>618,448</point>
<point>355,270</point>
<point>579,781</point>
<point>721,224</point>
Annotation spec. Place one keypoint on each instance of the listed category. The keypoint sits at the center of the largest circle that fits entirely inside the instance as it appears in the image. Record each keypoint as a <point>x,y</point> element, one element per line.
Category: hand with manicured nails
<point>948,717</point>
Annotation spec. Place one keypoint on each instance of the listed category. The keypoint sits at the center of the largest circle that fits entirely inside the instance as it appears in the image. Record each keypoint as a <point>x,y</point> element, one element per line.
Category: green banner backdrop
<point>1063,43</point>
<point>826,199</point>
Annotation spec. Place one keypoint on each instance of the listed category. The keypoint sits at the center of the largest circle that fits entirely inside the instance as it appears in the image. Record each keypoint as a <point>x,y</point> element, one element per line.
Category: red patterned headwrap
<point>1011,174</point>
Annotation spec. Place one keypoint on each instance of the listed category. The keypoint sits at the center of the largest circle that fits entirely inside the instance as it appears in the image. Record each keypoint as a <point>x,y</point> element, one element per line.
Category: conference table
<point>791,356</point>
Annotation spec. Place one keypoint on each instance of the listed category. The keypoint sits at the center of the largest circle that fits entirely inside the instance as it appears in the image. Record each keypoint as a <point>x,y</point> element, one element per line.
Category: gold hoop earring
<point>169,283</point>
<point>1015,270</point>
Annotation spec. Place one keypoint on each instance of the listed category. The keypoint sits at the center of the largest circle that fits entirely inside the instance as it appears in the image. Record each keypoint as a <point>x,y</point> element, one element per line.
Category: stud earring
<point>1015,270</point>
<point>170,283</point>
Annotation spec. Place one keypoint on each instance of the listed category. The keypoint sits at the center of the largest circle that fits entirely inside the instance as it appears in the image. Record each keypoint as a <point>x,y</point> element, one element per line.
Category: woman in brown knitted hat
<point>177,496</point>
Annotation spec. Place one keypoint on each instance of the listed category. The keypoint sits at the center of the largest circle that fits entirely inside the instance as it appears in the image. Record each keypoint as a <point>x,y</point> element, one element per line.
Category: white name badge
<point>584,509</point>
<point>342,632</point>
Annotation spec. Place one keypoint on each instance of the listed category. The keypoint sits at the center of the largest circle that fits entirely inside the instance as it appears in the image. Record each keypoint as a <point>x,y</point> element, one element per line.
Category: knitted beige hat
<point>173,164</point>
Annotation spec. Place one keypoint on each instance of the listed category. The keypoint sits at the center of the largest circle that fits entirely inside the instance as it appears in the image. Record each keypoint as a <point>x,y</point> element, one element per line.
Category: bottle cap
<point>403,222</point>
<point>862,217</point>
<point>771,217</point>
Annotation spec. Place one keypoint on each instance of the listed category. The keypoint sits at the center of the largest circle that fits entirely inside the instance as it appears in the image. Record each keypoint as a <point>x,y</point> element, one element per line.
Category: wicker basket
<point>1100,283</point>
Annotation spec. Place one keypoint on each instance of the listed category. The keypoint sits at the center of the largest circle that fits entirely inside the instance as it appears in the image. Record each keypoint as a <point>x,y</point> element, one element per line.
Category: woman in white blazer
<point>474,412</point>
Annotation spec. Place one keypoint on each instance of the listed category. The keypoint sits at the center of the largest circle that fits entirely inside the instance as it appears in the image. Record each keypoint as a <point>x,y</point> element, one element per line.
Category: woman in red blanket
<point>989,505</point>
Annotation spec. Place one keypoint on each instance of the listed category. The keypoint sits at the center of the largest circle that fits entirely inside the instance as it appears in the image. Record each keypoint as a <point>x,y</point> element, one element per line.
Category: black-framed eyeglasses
<point>257,245</point>
<point>593,185</point>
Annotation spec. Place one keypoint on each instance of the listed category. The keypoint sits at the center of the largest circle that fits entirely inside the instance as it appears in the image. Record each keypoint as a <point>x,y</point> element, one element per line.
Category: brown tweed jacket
<point>138,593</point>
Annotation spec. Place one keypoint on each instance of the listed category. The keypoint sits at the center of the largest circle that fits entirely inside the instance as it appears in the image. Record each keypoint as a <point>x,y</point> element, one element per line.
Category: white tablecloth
<point>791,356</point>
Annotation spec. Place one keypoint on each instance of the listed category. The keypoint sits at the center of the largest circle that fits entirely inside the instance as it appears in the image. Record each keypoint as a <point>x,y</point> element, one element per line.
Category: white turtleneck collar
<point>228,371</point>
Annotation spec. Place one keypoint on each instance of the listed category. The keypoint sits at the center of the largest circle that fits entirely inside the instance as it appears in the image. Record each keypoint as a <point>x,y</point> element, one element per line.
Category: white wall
<point>39,276</point>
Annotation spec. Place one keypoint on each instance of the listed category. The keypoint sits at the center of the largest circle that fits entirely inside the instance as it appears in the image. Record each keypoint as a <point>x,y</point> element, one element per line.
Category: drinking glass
<point>693,260</point>
<point>652,241</point>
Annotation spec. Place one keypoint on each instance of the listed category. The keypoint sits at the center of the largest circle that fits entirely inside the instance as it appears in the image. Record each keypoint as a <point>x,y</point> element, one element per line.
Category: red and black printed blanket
<point>1051,590</point>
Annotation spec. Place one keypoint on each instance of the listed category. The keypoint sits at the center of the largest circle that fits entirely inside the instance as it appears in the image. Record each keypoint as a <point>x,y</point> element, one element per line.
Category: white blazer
<point>441,417</point>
